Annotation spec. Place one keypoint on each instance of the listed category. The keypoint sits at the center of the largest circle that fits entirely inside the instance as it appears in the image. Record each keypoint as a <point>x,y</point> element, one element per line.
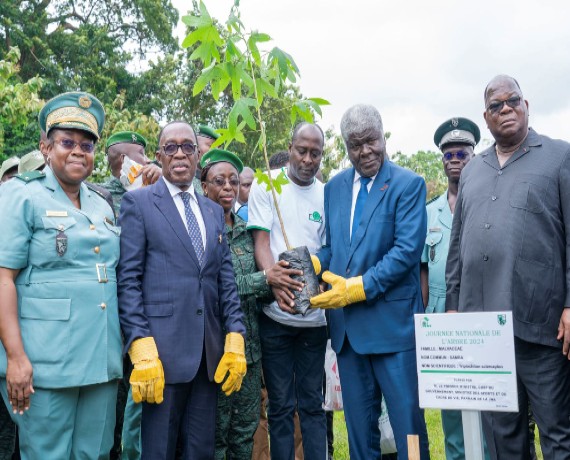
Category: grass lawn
<point>435,435</point>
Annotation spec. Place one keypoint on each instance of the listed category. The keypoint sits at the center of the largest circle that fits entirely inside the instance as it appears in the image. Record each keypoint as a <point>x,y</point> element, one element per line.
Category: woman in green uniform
<point>238,415</point>
<point>61,345</point>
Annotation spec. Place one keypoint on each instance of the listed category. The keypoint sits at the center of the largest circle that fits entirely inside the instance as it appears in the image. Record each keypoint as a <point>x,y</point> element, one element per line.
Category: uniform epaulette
<point>30,175</point>
<point>433,199</point>
<point>96,189</point>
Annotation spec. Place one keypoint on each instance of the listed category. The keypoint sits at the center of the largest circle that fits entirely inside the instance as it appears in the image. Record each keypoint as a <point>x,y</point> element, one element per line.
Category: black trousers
<point>543,379</point>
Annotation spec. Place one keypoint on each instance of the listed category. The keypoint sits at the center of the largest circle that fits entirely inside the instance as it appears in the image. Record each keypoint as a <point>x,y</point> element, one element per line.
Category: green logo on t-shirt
<point>316,217</point>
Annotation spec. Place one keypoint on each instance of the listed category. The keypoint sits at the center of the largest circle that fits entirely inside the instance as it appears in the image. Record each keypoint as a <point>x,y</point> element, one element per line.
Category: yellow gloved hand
<point>147,378</point>
<point>343,292</point>
<point>316,264</point>
<point>232,363</point>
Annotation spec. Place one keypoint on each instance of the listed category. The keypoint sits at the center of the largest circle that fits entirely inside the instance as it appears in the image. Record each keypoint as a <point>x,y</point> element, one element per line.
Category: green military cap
<point>219,155</point>
<point>31,161</point>
<point>74,110</point>
<point>457,130</point>
<point>125,137</point>
<point>8,164</point>
<point>206,131</point>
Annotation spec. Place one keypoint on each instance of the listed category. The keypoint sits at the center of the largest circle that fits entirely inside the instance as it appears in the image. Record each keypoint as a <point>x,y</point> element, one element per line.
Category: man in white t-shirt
<point>293,345</point>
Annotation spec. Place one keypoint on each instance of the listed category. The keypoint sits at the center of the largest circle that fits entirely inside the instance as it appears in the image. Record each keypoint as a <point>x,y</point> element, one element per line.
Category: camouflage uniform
<point>238,414</point>
<point>117,191</point>
<point>197,186</point>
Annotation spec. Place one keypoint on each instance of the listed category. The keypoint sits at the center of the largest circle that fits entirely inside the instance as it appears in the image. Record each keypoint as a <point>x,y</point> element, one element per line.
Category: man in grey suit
<point>178,298</point>
<point>510,250</point>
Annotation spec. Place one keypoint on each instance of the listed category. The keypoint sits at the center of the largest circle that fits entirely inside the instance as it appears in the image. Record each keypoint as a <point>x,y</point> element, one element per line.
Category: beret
<point>206,131</point>
<point>125,137</point>
<point>218,156</point>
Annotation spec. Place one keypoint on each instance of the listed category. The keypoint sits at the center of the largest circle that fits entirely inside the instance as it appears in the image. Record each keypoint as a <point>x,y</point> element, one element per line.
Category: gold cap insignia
<point>85,102</point>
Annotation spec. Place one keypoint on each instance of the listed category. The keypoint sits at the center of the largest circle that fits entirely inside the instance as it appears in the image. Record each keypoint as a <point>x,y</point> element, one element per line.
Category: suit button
<point>347,271</point>
<point>485,257</point>
<point>103,306</point>
<point>500,173</point>
<point>92,227</point>
<point>494,198</point>
<point>487,226</point>
<point>199,312</point>
<point>96,250</point>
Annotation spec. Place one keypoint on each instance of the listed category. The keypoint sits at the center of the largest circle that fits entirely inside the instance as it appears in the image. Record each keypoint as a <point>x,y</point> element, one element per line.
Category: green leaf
<point>252,47</point>
<point>316,107</point>
<point>279,181</point>
<point>319,100</point>
<point>241,109</point>
<point>205,52</point>
<point>262,178</point>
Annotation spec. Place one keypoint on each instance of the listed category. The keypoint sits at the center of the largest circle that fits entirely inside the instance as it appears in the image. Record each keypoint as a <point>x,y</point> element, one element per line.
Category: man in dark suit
<point>510,250</point>
<point>178,298</point>
<point>375,230</point>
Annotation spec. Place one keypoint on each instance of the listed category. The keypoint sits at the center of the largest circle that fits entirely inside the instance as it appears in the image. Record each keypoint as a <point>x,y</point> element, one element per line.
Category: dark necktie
<point>193,227</point>
<point>360,201</point>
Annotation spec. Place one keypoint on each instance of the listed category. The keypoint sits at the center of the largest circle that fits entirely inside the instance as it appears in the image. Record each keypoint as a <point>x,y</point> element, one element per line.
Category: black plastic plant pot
<point>300,259</point>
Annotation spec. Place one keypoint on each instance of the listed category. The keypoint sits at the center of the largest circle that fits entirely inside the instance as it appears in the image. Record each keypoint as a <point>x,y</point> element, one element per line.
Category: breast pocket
<point>529,193</point>
<point>434,246</point>
<point>58,243</point>
<point>45,329</point>
<point>113,228</point>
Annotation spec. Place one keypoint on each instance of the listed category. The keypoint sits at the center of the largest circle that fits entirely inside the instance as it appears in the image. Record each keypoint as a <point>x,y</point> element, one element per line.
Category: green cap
<point>75,110</point>
<point>125,137</point>
<point>31,161</point>
<point>218,156</point>
<point>457,131</point>
<point>206,131</point>
<point>8,164</point>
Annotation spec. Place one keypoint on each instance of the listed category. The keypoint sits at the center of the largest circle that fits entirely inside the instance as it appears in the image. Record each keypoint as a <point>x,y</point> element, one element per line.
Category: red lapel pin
<point>384,187</point>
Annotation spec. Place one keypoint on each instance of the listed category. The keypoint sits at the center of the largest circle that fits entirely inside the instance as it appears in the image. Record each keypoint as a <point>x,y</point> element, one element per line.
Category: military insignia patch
<point>133,137</point>
<point>455,122</point>
<point>85,102</point>
<point>61,243</point>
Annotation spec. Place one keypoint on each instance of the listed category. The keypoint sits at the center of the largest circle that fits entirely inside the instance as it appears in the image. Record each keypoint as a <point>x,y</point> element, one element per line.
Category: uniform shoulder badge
<point>435,198</point>
<point>29,176</point>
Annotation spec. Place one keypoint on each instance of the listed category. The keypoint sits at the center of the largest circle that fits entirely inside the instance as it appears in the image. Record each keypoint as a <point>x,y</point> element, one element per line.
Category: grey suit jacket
<point>510,241</point>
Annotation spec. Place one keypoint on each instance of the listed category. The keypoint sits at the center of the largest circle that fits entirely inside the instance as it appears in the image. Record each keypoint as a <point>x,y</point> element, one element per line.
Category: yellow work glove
<point>147,378</point>
<point>316,264</point>
<point>232,363</point>
<point>343,292</point>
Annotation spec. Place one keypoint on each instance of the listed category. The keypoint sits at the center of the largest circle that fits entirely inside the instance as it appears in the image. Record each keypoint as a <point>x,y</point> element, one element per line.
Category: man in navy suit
<point>375,230</point>
<point>178,298</point>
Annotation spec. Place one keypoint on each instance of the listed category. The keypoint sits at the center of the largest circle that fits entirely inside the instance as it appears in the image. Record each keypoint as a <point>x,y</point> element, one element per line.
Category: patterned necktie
<point>360,201</point>
<point>193,228</point>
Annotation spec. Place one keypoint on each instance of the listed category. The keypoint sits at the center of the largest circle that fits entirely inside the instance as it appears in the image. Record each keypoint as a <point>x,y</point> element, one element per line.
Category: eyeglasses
<point>496,107</point>
<point>460,155</point>
<point>187,148</point>
<point>69,145</point>
<point>220,181</point>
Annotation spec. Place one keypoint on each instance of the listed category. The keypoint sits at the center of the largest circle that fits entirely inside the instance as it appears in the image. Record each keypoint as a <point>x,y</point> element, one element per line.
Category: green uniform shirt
<point>66,287</point>
<point>117,191</point>
<point>251,284</point>
<point>439,219</point>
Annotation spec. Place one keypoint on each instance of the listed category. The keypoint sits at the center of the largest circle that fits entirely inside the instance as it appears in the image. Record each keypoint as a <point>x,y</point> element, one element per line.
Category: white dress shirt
<point>175,193</point>
<point>355,190</point>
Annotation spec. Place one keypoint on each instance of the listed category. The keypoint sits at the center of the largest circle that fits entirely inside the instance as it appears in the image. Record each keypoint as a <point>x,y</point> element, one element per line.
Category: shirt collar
<point>357,176</point>
<point>175,190</point>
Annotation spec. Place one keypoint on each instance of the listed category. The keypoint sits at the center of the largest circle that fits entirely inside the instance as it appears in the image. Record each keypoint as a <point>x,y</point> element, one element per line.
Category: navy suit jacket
<point>385,250</point>
<point>162,290</point>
